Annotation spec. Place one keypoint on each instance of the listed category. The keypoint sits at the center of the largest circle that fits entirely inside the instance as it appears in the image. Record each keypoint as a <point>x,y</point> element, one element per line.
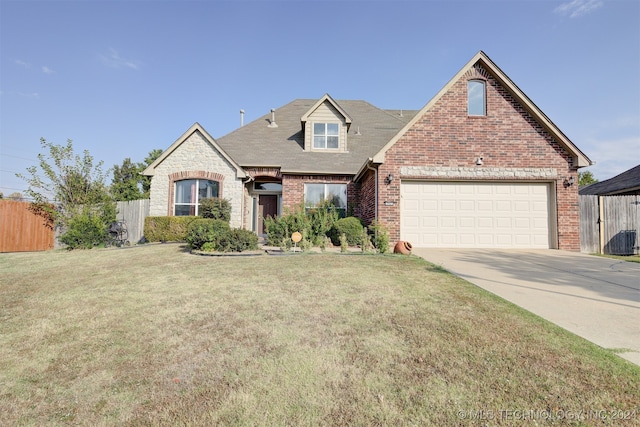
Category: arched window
<point>189,192</point>
<point>476,98</point>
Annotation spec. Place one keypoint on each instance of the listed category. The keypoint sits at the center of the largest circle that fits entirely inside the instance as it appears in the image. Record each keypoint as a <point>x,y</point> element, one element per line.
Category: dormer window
<point>326,135</point>
<point>476,98</point>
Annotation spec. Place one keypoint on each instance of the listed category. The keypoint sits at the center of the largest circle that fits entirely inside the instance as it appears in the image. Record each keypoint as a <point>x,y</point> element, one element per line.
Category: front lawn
<point>153,335</point>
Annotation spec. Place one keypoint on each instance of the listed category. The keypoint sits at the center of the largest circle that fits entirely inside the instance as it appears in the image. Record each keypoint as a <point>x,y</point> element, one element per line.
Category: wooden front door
<point>267,206</point>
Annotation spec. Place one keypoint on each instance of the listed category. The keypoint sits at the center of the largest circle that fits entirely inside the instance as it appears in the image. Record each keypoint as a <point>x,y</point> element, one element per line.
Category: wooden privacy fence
<point>21,230</point>
<point>610,224</point>
<point>133,213</point>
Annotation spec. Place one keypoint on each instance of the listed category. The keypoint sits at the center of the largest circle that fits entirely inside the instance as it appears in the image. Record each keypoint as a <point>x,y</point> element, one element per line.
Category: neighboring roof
<point>196,127</point>
<point>626,182</point>
<point>257,145</point>
<point>580,159</point>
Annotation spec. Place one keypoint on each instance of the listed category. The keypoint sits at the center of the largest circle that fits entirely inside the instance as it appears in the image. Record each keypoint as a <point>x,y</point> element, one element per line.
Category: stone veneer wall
<point>196,158</point>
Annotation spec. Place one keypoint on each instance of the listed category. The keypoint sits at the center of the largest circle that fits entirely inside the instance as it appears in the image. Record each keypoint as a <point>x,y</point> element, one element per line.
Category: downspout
<point>375,171</point>
<point>244,184</point>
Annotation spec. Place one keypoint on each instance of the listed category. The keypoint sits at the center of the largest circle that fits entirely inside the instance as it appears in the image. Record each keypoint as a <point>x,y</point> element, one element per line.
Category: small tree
<point>65,186</point>
<point>128,183</point>
<point>145,181</point>
<point>586,178</point>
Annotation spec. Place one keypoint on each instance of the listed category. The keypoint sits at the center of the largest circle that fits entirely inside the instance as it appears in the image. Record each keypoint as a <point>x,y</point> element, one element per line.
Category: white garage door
<point>475,215</point>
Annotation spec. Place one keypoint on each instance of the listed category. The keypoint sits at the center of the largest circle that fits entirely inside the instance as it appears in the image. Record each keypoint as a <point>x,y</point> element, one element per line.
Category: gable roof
<point>196,127</point>
<point>579,158</point>
<point>258,145</point>
<point>326,98</point>
<point>626,182</point>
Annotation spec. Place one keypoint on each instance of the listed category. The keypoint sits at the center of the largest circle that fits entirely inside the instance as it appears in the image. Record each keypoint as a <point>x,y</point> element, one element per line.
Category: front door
<point>267,206</point>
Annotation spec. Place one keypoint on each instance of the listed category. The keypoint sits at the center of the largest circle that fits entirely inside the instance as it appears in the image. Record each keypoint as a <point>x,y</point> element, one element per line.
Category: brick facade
<point>512,144</point>
<point>293,188</point>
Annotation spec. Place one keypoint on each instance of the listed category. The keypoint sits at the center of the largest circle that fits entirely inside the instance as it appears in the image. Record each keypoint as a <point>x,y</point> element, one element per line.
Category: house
<point>625,184</point>
<point>478,166</point>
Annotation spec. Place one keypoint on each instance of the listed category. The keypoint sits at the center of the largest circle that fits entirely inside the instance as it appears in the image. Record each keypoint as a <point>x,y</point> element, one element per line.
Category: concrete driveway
<point>594,297</point>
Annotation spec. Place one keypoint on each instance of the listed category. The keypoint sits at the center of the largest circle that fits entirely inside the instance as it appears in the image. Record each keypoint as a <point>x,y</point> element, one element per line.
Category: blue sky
<point>121,78</point>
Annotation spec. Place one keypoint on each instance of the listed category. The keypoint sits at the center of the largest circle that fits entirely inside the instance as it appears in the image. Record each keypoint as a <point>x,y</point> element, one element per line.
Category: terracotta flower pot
<point>403,248</point>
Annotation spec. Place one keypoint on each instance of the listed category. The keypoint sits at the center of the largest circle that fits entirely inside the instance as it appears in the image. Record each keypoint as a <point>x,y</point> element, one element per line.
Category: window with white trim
<point>476,98</point>
<point>326,135</point>
<point>336,194</point>
<point>189,192</point>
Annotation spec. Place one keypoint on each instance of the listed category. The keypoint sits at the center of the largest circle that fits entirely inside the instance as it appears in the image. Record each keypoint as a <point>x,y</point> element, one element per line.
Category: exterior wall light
<point>568,182</point>
<point>389,178</point>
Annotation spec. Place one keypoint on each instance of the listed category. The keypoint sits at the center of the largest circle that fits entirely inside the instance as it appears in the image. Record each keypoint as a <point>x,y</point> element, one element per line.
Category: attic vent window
<point>476,98</point>
<point>326,135</point>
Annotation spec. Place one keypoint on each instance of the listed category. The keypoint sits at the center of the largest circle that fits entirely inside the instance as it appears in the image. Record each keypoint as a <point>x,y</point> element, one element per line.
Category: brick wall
<point>512,144</point>
<point>293,188</point>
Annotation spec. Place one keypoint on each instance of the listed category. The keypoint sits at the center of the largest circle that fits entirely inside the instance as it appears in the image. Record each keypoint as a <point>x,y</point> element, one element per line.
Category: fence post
<point>601,224</point>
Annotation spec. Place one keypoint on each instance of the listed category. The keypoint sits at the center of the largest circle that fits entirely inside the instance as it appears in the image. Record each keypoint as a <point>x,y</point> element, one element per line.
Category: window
<point>315,194</point>
<point>325,135</point>
<point>268,186</point>
<point>189,192</point>
<point>476,98</point>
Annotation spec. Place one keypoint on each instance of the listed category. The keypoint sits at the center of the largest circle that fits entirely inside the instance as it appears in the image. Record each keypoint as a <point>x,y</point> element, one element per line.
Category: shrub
<point>380,237</point>
<point>351,227</point>
<point>321,219</point>
<point>282,227</point>
<point>202,231</point>
<point>344,245</point>
<point>314,223</point>
<point>84,231</point>
<point>167,228</point>
<point>215,208</point>
<point>237,240</point>
<point>365,241</point>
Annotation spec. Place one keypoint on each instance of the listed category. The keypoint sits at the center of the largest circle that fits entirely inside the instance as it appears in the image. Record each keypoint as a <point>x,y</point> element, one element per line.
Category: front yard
<point>153,335</point>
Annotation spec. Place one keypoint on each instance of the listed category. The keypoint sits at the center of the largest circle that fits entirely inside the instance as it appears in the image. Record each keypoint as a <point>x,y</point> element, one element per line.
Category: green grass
<point>628,258</point>
<point>153,335</point>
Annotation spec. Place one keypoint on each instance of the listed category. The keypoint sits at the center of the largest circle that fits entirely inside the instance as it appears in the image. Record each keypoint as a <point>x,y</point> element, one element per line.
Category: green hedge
<point>167,228</point>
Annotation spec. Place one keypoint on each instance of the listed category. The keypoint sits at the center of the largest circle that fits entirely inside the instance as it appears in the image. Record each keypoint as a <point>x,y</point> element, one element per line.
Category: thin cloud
<point>47,70</point>
<point>577,8</point>
<point>114,60</point>
<point>22,63</point>
<point>32,95</point>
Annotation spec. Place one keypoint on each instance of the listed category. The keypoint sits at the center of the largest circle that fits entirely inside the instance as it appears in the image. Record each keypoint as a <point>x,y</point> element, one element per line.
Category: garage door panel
<point>489,214</point>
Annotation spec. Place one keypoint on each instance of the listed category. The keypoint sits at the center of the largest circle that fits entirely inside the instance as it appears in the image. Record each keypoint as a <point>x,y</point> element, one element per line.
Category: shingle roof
<point>256,145</point>
<point>627,181</point>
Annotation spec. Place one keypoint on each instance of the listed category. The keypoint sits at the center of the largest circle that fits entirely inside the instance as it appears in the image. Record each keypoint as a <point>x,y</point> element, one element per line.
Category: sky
<point>121,78</point>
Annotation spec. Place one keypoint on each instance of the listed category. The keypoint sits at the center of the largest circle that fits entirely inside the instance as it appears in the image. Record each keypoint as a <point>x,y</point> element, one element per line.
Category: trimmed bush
<point>237,240</point>
<point>351,227</point>
<point>202,231</point>
<point>167,228</point>
<point>215,208</point>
